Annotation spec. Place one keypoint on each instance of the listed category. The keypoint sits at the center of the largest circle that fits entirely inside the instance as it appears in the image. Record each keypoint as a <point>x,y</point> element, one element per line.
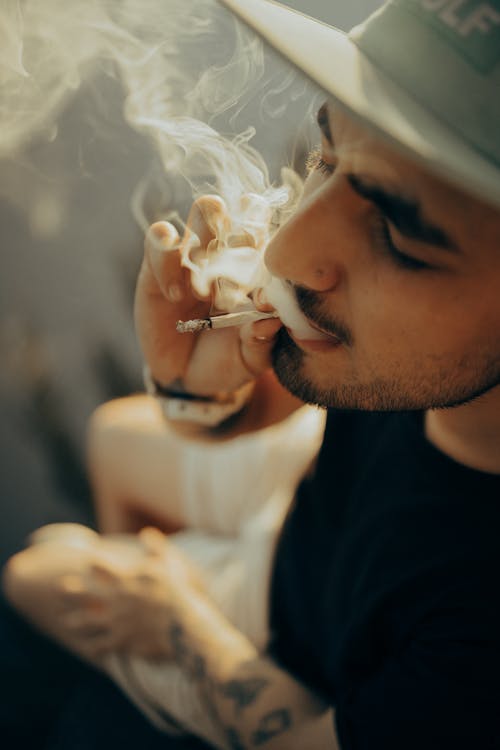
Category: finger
<point>260,301</point>
<point>161,247</point>
<point>74,534</point>
<point>102,573</point>
<point>208,220</point>
<point>74,592</point>
<point>256,344</point>
<point>208,227</point>
<point>72,586</point>
<point>243,239</point>
<point>257,213</point>
<point>153,540</point>
<point>160,301</point>
<point>208,223</point>
<point>216,363</point>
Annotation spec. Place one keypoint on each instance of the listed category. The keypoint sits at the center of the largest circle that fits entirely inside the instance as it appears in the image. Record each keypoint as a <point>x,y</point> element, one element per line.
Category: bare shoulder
<point>138,412</point>
<point>141,413</point>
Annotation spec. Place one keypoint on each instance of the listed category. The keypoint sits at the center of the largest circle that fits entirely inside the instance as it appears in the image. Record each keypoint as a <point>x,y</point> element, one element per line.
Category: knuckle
<point>71,586</point>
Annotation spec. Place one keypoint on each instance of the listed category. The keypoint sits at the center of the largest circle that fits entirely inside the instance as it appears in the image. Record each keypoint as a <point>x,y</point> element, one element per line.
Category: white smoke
<point>173,94</point>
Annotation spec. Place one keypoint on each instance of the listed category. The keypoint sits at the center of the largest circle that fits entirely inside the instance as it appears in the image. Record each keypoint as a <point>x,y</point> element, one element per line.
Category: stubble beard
<point>441,390</point>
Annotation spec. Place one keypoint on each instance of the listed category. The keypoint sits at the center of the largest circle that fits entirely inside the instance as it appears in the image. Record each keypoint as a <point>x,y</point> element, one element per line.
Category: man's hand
<point>209,362</point>
<point>94,601</point>
<point>105,597</point>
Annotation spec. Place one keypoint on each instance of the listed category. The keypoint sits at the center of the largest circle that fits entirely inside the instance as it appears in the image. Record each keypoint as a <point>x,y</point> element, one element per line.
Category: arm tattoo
<point>192,662</point>
<point>271,726</point>
<point>243,692</point>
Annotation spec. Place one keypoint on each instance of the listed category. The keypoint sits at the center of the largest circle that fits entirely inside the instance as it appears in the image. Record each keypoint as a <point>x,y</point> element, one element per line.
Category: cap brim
<point>332,60</point>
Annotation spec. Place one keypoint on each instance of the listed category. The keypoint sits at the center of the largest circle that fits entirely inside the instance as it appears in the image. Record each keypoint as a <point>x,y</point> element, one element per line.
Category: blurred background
<point>70,251</point>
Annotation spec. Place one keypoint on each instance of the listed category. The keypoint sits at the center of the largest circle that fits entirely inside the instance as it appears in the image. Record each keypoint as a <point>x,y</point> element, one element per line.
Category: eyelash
<point>324,167</point>
<point>407,262</point>
<point>315,162</point>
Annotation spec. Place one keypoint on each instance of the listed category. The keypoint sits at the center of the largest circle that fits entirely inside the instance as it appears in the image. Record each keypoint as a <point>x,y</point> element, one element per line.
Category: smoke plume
<point>184,66</point>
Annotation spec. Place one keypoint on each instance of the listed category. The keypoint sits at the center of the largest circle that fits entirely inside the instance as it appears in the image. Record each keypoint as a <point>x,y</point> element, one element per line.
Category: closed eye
<point>407,262</point>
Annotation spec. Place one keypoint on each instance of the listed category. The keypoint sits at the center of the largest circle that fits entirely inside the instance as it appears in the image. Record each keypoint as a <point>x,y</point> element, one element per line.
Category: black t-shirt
<point>386,590</point>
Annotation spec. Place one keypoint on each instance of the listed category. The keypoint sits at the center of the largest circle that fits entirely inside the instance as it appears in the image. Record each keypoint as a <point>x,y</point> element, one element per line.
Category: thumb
<point>256,344</point>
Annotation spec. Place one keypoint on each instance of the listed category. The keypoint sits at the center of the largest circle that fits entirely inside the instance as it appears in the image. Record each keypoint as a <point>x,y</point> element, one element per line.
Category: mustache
<point>310,305</point>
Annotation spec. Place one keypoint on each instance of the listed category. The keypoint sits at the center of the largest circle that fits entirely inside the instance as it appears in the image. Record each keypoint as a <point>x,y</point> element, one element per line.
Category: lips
<point>325,333</point>
<point>282,297</point>
<point>325,344</point>
<point>324,336</point>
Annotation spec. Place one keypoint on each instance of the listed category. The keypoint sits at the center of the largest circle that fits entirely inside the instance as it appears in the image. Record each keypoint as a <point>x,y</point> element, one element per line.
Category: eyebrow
<point>405,214</point>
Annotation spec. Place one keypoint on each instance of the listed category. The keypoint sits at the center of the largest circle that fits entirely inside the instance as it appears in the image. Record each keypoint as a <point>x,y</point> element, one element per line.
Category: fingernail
<point>165,240</point>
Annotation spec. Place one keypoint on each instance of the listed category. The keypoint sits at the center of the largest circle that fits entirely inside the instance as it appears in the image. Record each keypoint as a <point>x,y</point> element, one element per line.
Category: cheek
<point>396,312</point>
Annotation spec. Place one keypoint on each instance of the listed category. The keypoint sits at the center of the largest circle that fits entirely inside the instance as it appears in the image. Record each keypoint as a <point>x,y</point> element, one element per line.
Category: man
<point>384,602</point>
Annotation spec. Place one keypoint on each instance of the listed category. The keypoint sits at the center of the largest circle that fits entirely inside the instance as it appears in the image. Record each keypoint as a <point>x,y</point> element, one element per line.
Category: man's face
<point>402,267</point>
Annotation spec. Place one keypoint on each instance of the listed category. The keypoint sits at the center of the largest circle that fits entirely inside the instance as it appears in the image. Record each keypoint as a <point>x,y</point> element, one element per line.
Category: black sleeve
<point>441,692</point>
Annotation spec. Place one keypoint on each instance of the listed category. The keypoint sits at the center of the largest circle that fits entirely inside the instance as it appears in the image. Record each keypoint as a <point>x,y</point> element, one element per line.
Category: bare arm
<point>254,702</point>
<point>158,609</point>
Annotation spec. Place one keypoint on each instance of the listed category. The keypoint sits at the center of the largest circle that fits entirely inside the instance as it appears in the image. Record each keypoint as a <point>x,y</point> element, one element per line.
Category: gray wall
<point>70,250</point>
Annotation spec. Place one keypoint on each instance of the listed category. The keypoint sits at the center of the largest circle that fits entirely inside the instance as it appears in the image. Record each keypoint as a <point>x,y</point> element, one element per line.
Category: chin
<point>304,375</point>
<point>291,365</point>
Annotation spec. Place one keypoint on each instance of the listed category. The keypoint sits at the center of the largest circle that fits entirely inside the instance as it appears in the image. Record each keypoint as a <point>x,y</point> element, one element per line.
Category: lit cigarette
<point>222,321</point>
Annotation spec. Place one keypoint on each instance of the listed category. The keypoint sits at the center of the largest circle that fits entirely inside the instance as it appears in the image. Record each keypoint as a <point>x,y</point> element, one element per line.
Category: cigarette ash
<point>193,326</point>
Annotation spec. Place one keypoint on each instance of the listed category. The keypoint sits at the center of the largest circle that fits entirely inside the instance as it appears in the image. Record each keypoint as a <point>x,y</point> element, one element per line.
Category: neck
<point>470,434</point>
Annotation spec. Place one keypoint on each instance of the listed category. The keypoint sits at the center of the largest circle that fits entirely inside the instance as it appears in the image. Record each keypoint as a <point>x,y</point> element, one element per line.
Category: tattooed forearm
<point>190,660</point>
<point>195,665</point>
<point>235,705</point>
<point>243,692</point>
<point>271,726</point>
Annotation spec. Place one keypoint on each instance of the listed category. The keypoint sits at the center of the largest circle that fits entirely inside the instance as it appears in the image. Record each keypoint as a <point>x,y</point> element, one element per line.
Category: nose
<point>303,250</point>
